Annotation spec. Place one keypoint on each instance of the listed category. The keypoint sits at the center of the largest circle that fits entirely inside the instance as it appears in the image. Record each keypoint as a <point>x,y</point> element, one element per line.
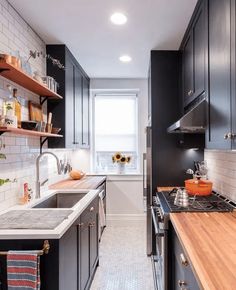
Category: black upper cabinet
<point>220,98</point>
<point>85,107</point>
<point>194,50</point>
<point>72,113</point>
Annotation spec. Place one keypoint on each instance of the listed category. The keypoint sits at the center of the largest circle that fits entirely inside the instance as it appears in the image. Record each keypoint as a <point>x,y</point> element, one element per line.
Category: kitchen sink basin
<point>61,200</point>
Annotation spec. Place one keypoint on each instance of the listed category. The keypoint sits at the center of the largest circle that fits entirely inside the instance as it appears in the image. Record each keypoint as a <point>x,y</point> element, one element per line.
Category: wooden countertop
<point>166,188</point>
<point>87,182</point>
<point>209,240</point>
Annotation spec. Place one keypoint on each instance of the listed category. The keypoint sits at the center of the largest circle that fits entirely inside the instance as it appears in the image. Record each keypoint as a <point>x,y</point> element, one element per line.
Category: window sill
<point>120,177</point>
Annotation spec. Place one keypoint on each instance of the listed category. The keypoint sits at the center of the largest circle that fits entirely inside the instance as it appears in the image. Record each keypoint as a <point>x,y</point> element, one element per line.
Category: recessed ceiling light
<point>125,58</point>
<point>118,18</point>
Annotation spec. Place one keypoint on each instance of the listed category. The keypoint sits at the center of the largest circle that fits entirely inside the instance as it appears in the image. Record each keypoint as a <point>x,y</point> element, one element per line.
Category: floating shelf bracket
<point>43,100</point>
<point>3,69</point>
<point>42,141</point>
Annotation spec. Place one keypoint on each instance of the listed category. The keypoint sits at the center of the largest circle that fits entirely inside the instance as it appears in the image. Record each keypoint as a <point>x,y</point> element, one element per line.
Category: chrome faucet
<point>38,183</point>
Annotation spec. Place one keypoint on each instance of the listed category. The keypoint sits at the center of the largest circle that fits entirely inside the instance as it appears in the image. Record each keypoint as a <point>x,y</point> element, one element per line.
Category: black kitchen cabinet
<point>85,108</point>
<point>72,113</point>
<point>72,260</point>
<point>194,55</point>
<point>221,53</point>
<point>183,276</point>
<point>88,245</point>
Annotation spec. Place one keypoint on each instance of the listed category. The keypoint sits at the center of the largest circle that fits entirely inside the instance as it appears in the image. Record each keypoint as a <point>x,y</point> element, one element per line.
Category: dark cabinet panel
<point>78,113</point>
<point>219,115</point>
<point>194,52</point>
<point>68,132</point>
<point>72,113</point>
<point>199,40</point>
<point>85,107</point>
<point>69,261</point>
<point>84,269</point>
<point>188,69</point>
<point>183,276</point>
<point>93,236</point>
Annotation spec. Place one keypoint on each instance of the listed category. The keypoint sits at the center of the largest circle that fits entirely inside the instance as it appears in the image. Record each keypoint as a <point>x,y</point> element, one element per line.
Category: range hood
<point>193,121</point>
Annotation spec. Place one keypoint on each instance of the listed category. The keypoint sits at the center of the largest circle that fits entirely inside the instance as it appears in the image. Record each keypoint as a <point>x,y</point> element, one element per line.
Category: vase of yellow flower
<point>121,161</point>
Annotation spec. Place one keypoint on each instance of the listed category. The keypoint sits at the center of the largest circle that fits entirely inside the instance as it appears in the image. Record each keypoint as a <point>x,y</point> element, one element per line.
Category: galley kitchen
<point>117,145</point>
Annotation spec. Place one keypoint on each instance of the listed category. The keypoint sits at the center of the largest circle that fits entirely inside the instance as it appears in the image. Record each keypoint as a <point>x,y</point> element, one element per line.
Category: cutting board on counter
<point>33,219</point>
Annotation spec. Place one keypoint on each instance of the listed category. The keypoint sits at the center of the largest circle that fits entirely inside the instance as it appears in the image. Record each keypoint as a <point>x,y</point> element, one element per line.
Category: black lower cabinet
<point>72,260</point>
<point>182,273</point>
<point>88,245</point>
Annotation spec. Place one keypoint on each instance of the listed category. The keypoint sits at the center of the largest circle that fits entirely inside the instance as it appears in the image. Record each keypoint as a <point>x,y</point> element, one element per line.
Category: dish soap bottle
<point>17,108</point>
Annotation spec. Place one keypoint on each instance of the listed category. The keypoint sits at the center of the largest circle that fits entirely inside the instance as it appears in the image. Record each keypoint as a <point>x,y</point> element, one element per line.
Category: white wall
<point>125,193</point>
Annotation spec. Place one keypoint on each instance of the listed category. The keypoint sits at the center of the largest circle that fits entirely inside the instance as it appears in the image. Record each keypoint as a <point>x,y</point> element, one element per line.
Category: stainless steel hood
<point>193,121</point>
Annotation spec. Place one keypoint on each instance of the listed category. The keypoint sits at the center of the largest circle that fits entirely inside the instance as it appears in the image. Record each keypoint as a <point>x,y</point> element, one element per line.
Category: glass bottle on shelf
<point>9,109</point>
<point>17,107</point>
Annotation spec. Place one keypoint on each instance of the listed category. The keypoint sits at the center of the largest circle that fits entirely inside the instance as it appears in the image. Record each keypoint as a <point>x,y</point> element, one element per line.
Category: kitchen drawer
<point>90,211</point>
<point>184,277</point>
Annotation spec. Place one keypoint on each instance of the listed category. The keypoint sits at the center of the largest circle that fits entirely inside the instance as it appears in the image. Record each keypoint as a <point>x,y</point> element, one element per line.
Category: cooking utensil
<point>198,187</point>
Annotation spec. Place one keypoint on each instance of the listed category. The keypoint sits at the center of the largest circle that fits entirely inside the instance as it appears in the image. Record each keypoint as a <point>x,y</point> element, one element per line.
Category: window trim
<point>95,92</point>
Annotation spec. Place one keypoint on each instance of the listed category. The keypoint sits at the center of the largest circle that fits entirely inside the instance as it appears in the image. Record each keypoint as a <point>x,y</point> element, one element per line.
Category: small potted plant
<point>121,161</point>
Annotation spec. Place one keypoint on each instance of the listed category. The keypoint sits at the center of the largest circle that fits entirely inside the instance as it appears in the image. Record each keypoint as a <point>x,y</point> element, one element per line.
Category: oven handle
<point>155,223</point>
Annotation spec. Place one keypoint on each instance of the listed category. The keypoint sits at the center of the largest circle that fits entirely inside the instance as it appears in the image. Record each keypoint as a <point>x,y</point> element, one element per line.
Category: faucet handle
<point>43,182</point>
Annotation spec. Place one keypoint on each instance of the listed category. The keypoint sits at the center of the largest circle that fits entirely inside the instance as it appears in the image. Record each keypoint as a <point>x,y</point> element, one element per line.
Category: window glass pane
<point>115,129</point>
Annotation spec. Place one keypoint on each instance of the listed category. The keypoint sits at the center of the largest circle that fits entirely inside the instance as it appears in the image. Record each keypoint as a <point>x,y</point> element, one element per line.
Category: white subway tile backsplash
<point>21,152</point>
<point>222,171</point>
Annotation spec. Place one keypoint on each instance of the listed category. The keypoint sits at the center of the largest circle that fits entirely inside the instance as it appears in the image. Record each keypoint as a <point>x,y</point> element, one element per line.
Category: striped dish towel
<point>23,270</point>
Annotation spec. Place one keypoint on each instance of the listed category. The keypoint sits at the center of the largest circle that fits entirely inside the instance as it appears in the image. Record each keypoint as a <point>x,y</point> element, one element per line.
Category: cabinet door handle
<point>91,208</point>
<point>182,283</point>
<point>229,136</point>
<point>183,260</point>
<point>190,93</point>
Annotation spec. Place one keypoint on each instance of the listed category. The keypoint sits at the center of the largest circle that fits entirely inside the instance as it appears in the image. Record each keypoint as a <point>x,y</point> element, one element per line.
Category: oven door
<point>159,259</point>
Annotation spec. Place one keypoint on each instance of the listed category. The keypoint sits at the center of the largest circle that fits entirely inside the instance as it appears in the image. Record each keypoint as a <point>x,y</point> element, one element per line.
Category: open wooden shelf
<point>25,132</point>
<point>21,78</point>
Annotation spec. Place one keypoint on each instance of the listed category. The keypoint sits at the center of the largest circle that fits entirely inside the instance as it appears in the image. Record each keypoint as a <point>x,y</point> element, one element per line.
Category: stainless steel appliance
<point>147,189</point>
<point>163,204</point>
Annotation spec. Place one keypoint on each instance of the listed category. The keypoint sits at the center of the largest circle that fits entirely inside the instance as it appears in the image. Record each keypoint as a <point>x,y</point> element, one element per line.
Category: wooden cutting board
<point>35,112</point>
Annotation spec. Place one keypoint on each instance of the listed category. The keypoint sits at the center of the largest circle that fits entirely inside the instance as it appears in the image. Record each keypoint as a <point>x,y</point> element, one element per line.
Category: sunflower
<point>128,159</point>
<point>117,156</point>
<point>123,159</point>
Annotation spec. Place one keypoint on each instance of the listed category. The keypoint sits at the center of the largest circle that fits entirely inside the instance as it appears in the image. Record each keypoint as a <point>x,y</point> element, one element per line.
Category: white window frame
<point>124,92</point>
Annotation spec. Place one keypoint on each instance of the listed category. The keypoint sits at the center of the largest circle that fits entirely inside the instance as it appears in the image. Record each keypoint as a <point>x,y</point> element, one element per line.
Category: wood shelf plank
<point>21,78</point>
<point>25,132</point>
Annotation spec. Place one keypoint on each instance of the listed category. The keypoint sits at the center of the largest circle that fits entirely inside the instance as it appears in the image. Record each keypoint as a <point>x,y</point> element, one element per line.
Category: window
<point>115,130</point>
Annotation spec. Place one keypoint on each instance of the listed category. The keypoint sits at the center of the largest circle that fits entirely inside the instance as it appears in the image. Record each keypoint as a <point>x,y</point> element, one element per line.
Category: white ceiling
<point>84,26</point>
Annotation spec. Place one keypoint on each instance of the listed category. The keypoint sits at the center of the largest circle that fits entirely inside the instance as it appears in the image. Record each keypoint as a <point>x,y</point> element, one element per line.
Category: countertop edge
<point>59,231</point>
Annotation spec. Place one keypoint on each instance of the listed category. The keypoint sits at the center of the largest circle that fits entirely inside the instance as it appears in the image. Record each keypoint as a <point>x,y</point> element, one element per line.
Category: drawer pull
<point>182,283</point>
<point>92,208</point>
<point>190,93</point>
<point>183,260</point>
<point>80,224</point>
<point>92,224</point>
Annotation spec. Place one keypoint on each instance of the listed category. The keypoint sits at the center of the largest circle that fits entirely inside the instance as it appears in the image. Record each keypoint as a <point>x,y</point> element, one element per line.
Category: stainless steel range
<point>163,205</point>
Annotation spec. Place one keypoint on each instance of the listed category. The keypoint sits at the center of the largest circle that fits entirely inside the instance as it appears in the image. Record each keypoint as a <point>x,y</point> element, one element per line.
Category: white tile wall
<point>21,152</point>
<point>222,171</point>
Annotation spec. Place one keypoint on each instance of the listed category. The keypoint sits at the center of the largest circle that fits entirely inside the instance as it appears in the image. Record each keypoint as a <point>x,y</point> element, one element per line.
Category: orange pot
<point>198,187</point>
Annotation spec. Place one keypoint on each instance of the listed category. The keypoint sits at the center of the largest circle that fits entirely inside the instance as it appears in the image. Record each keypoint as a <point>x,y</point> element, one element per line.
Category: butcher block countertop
<point>209,240</point>
<point>87,182</point>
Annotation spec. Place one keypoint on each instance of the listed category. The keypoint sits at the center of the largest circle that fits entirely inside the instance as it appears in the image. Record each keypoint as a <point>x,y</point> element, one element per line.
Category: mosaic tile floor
<point>123,262</point>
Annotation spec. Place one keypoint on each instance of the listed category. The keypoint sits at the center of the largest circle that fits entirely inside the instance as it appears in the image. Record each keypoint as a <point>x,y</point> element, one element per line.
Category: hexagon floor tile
<point>123,262</point>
